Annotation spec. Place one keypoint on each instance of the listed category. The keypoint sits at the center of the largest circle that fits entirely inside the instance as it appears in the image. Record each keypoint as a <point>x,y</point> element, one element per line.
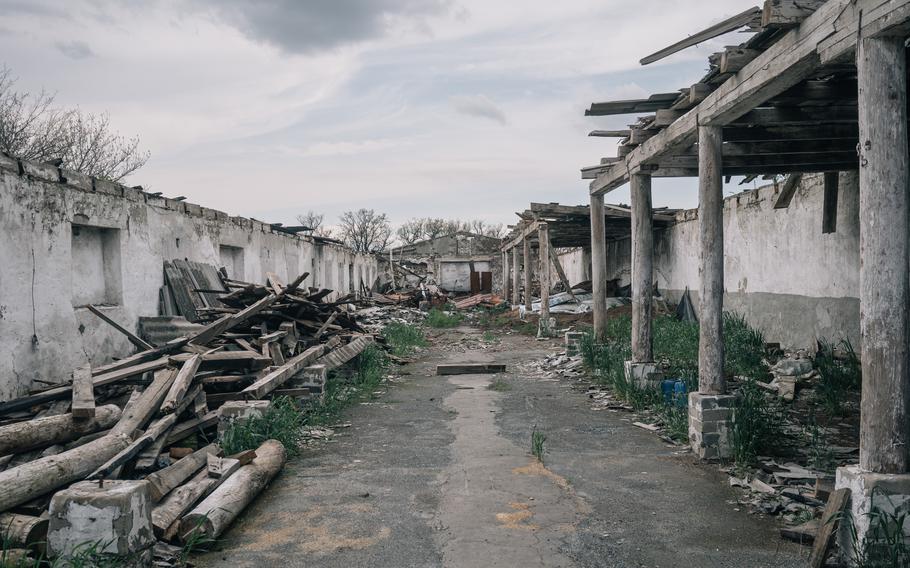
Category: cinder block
<point>240,410</point>
<point>888,494</point>
<point>710,418</point>
<point>75,179</point>
<point>573,342</point>
<point>117,515</point>
<point>44,172</point>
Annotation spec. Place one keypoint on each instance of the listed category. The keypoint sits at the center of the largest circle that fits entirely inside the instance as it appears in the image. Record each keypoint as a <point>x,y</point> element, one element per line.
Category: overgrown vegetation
<point>343,388</point>
<point>282,422</point>
<point>441,319</point>
<point>538,439</point>
<point>676,351</point>
<point>885,545</point>
<point>85,555</point>
<point>839,376</point>
<point>757,423</point>
<point>403,338</point>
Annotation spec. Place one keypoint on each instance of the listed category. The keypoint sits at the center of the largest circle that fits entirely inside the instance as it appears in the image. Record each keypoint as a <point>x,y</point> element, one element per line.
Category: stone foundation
<point>879,492</point>
<point>710,420</point>
<point>116,515</point>
<point>643,375</point>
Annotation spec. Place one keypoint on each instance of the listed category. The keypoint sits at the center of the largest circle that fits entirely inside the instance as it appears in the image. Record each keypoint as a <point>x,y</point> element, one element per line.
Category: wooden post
<point>526,249</point>
<point>543,251</point>
<point>642,268</point>
<point>711,261</point>
<point>829,205</point>
<point>599,265</point>
<point>884,282</point>
<point>516,274</point>
<point>506,278</point>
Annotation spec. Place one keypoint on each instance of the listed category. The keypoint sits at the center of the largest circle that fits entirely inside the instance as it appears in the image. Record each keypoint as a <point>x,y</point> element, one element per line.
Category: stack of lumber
<point>487,300</point>
<point>154,415</point>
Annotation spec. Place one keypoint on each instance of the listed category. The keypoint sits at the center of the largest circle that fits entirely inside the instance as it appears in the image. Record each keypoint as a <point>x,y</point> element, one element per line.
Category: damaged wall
<point>64,245</point>
<point>789,279</point>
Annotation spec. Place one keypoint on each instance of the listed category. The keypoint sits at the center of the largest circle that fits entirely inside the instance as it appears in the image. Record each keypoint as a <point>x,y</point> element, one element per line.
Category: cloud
<point>479,106</point>
<point>306,26</point>
<point>74,49</point>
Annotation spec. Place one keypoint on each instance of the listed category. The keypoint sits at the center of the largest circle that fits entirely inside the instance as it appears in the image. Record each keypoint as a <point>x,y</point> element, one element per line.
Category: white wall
<point>44,334</point>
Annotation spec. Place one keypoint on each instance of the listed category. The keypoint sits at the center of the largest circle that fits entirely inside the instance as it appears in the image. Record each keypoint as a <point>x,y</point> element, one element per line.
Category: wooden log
<point>560,273</point>
<point>181,384</point>
<point>516,278</point>
<point>526,253</point>
<point>42,432</point>
<point>642,268</point>
<point>224,360</point>
<point>279,376</point>
<point>83,405</point>
<point>165,480</point>
<point>214,514</point>
<point>30,480</point>
<point>133,338</point>
<point>469,368</point>
<point>147,405</point>
<point>179,501</point>
<point>711,260</point>
<point>599,266</point>
<point>221,467</point>
<point>23,531</point>
<point>884,276</point>
<point>110,469</point>
<point>543,260</point>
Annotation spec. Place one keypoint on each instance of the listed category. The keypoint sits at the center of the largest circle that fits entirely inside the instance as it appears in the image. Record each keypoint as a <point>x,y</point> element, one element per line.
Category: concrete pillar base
<point>870,492</point>
<point>573,342</point>
<point>643,375</point>
<point>710,421</point>
<point>232,411</point>
<point>117,516</point>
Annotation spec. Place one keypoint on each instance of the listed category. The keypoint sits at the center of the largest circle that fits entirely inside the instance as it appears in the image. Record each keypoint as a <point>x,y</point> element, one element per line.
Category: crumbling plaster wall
<point>45,334</point>
<point>789,279</point>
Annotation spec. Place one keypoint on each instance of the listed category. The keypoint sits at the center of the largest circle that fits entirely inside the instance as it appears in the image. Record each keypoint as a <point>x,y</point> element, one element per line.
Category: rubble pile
<point>141,435</point>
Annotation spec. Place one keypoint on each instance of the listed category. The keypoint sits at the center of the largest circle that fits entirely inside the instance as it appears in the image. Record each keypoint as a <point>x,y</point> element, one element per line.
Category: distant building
<point>457,262</point>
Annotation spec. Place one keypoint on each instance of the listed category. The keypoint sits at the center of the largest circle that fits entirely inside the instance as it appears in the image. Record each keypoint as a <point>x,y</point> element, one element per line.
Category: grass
<point>403,338</point>
<point>499,385</point>
<point>757,423</point>
<point>675,346</point>
<point>282,422</point>
<point>885,545</point>
<point>441,319</point>
<point>838,377</point>
<point>489,337</point>
<point>538,439</point>
<point>345,388</point>
<point>85,555</point>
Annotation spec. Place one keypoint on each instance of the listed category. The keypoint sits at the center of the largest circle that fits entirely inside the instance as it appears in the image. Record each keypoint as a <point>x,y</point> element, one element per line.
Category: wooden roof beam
<point>726,26</point>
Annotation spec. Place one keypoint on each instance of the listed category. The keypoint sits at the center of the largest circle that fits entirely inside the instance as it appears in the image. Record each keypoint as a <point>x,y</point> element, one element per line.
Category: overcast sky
<point>447,108</point>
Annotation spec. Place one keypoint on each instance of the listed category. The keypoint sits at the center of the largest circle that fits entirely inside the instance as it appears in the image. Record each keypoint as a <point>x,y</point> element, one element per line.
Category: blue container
<point>668,387</point>
<point>680,394</point>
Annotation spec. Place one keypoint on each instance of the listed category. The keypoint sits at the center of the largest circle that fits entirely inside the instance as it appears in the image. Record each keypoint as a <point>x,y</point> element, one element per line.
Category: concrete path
<point>438,472</point>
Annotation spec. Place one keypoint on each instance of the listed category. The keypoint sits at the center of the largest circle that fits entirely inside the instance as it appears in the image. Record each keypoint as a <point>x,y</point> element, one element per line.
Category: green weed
<point>403,339</point>
<point>489,337</point>
<point>757,423</point>
<point>744,348</point>
<point>441,319</point>
<point>537,444</point>
<point>282,422</point>
<point>838,377</point>
<point>885,544</point>
<point>344,388</point>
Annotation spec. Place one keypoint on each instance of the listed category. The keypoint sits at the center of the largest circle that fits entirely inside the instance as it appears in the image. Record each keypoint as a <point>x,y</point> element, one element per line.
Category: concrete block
<point>240,410</point>
<point>108,187</point>
<point>209,214</point>
<point>573,342</point>
<point>192,209</point>
<point>117,515</point>
<point>133,194</point>
<point>315,374</point>
<point>887,494</point>
<point>8,163</point>
<point>77,180</point>
<point>710,420</point>
<point>155,200</point>
<point>643,375</point>
<point>44,172</point>
<point>173,205</point>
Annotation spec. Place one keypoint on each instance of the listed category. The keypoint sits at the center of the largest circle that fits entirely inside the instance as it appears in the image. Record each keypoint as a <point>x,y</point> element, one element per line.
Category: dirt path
<point>437,472</point>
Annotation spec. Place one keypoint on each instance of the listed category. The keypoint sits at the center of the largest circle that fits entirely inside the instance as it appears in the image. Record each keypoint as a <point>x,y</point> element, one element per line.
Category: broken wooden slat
<point>787,13</point>
<point>181,384</point>
<point>163,481</point>
<point>342,355</point>
<point>133,338</point>
<point>83,405</point>
<point>829,203</point>
<point>828,527</point>
<point>730,24</point>
<point>226,360</point>
<point>148,403</point>
<point>469,368</point>
<point>788,191</point>
<point>219,468</point>
<point>186,428</point>
<point>279,376</point>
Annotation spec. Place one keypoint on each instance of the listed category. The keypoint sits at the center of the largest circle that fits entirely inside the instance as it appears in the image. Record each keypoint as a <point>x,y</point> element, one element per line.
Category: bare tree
<point>410,231</point>
<point>311,220</point>
<point>433,228</point>
<point>32,128</point>
<point>481,227</point>
<point>365,230</point>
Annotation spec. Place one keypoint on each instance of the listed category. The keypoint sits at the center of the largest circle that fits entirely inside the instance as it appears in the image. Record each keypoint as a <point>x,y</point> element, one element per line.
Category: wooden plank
<point>609,133</point>
<point>787,13</point>
<point>181,384</point>
<point>651,104</point>
<point>163,481</point>
<point>134,339</point>
<point>788,191</point>
<point>147,405</point>
<point>225,360</point>
<point>183,297</point>
<point>735,58</point>
<point>829,205</point>
<point>469,368</point>
<point>83,405</point>
<point>828,527</point>
<point>279,376</point>
<point>184,429</point>
<point>340,356</point>
<point>744,18</point>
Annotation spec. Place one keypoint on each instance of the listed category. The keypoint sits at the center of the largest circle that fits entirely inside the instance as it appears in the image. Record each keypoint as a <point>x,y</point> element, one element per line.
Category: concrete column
<point>710,410</point>
<point>526,249</point>
<point>506,279</point>
<point>516,275</point>
<point>642,268</point>
<point>711,265</point>
<point>599,265</point>
<point>543,249</point>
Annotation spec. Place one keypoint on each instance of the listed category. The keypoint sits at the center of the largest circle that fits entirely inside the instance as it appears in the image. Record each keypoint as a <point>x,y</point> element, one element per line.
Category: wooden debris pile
<point>155,415</point>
